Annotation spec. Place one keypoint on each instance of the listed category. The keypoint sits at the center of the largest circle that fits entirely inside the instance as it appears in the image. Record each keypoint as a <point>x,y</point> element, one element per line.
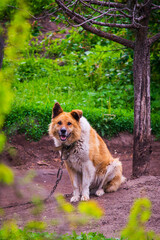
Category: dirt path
<point>40,158</point>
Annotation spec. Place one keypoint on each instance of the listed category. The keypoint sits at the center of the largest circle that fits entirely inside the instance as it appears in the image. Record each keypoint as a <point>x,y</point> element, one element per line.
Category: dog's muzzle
<point>63,134</point>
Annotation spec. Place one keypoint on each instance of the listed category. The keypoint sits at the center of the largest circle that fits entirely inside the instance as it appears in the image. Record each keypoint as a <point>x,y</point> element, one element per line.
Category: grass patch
<point>35,96</point>
<point>23,234</point>
<point>80,73</point>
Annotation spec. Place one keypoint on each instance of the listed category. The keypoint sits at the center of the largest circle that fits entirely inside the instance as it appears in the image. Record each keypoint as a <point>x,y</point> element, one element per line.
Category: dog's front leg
<point>76,180</point>
<point>76,183</point>
<point>87,178</point>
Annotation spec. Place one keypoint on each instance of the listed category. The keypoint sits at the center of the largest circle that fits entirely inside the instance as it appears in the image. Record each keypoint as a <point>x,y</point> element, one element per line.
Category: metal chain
<point>59,176</point>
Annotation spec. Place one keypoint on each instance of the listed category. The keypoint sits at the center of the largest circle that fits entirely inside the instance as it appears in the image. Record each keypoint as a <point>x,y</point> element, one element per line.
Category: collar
<point>64,147</point>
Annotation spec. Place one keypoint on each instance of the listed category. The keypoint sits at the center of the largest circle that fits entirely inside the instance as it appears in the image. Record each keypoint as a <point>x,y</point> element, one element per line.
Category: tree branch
<point>155,6</point>
<point>106,4</point>
<point>91,20</point>
<point>107,14</point>
<point>106,24</point>
<point>80,20</point>
<point>115,9</point>
<point>154,38</point>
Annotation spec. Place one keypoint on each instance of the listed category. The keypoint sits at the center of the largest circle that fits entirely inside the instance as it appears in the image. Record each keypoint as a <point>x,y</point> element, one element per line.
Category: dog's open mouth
<point>64,137</point>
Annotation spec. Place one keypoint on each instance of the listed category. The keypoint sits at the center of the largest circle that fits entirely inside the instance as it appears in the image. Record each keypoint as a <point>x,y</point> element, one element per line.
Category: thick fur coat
<point>90,165</point>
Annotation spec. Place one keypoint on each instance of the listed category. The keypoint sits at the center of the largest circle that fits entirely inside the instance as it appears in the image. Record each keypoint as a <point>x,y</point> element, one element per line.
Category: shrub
<point>139,215</point>
<point>35,7</point>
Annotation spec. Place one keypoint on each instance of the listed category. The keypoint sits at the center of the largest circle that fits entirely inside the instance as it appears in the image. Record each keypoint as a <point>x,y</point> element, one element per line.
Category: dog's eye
<point>69,123</point>
<point>59,123</point>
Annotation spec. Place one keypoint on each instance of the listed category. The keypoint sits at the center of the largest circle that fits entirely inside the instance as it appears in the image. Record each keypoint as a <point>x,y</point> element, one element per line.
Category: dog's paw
<point>74,199</point>
<point>99,192</point>
<point>84,198</point>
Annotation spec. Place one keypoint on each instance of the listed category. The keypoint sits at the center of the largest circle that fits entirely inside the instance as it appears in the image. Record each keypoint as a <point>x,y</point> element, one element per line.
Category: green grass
<point>35,96</point>
<point>27,235</point>
<point>80,73</point>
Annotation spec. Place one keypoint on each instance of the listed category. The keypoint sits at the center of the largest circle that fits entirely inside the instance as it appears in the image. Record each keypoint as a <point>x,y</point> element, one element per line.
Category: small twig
<point>155,7</point>
<point>38,18</point>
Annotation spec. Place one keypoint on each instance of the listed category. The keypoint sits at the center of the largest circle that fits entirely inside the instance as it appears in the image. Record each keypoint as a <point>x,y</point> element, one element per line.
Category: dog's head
<point>65,126</point>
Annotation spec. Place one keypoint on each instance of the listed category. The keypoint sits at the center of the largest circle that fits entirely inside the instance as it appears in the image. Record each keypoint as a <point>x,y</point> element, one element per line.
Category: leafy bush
<point>35,7</point>
<point>41,82</point>
<point>135,229</point>
<point>80,71</point>
<point>31,69</point>
<point>11,231</point>
<point>17,35</point>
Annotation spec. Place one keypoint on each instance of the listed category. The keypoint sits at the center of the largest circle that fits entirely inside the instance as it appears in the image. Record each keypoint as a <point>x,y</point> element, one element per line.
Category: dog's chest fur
<point>78,156</point>
<point>79,153</point>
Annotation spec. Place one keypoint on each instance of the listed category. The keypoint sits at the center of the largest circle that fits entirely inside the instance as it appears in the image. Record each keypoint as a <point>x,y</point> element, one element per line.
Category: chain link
<point>60,170</point>
<point>59,176</point>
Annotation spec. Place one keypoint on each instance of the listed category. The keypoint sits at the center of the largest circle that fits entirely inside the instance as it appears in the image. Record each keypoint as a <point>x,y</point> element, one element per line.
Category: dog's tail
<point>123,179</point>
<point>118,163</point>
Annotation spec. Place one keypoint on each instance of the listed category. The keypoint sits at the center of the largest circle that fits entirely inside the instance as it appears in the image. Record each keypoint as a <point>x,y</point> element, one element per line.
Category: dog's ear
<point>77,114</point>
<point>56,110</point>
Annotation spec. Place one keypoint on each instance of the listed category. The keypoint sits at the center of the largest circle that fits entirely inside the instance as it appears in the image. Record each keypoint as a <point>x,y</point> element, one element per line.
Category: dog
<point>90,165</point>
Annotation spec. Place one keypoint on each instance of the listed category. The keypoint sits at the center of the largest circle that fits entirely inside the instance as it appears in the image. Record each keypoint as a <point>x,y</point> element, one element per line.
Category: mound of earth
<point>38,161</point>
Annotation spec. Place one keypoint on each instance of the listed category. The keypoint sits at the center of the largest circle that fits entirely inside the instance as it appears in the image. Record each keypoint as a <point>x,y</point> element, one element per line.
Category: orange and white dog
<point>90,165</point>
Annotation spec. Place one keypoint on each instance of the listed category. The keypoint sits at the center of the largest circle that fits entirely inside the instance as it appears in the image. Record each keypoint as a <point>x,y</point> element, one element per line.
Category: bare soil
<point>38,159</point>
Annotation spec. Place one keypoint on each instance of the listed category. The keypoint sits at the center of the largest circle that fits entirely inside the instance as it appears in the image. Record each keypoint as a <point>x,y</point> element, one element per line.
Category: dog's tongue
<point>63,138</point>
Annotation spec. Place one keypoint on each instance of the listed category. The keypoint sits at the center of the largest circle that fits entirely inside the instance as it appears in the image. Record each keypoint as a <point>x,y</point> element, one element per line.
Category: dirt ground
<point>38,159</point>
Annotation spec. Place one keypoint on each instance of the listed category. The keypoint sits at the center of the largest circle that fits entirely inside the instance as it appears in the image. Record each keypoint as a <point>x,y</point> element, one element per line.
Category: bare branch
<point>46,14</point>
<point>143,5</point>
<point>107,14</point>
<point>80,20</point>
<point>135,19</point>
<point>115,9</point>
<point>75,5</point>
<point>155,6</point>
<point>106,4</point>
<point>154,38</point>
<point>140,18</point>
<point>106,24</point>
<point>91,20</point>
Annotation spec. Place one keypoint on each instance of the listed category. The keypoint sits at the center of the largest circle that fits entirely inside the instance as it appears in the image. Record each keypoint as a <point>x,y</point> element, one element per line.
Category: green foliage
<point>6,174</point>
<point>35,95</point>
<point>10,231</point>
<point>74,215</point>
<point>36,226</point>
<point>91,208</point>
<point>80,71</point>
<point>32,69</point>
<point>139,215</point>
<point>5,99</point>
<point>80,215</point>
<point>64,205</point>
<point>89,236</point>
<point>134,230</point>
<point>155,124</point>
<point>35,7</point>
<point>17,34</point>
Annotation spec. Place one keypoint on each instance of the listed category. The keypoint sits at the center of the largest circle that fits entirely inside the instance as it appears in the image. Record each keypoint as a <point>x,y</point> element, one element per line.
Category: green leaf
<point>91,208</point>
<point>6,174</point>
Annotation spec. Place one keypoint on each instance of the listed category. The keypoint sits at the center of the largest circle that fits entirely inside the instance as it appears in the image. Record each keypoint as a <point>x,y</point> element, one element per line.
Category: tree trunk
<point>142,123</point>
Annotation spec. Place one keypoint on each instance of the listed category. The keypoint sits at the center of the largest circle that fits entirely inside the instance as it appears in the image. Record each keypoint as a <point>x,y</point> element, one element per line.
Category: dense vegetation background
<point>79,71</point>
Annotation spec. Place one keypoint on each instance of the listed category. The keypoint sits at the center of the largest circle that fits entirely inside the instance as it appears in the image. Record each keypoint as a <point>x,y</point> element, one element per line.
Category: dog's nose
<point>63,130</point>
